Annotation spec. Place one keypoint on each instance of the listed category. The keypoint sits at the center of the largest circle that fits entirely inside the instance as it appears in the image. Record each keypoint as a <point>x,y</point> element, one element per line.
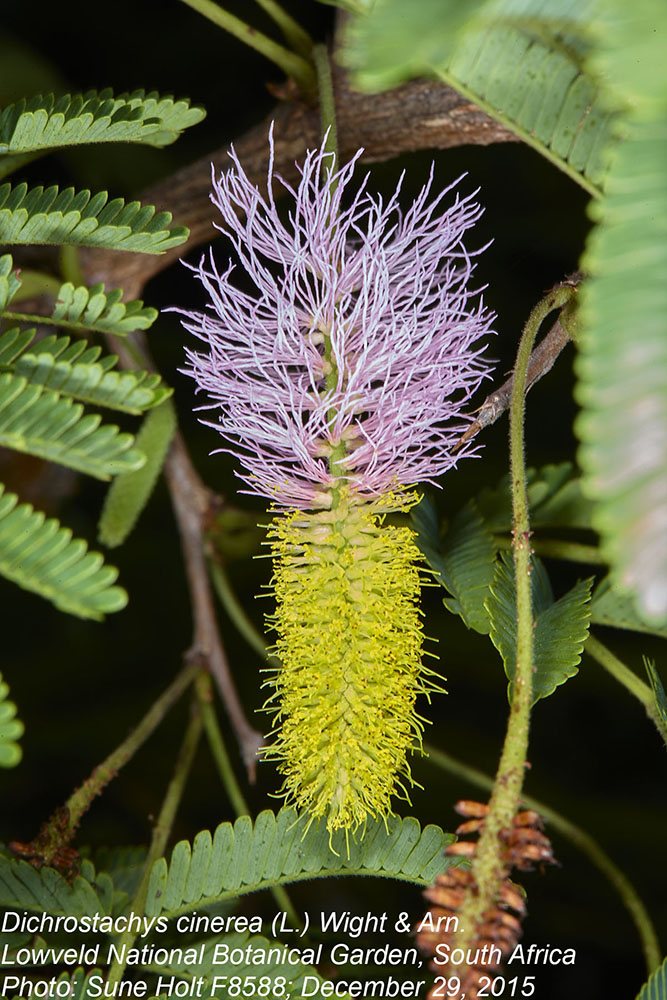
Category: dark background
<point>80,686</point>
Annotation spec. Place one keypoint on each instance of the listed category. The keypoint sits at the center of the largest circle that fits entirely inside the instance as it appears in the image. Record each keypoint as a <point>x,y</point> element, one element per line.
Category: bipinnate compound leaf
<point>555,500</point>
<point>522,66</point>
<point>41,422</point>
<point>283,848</point>
<point>617,609</point>
<point>656,987</point>
<point>463,560</point>
<point>130,492</point>
<point>77,218</point>
<point>11,729</point>
<point>79,372</point>
<point>658,691</point>
<point>560,627</point>
<point>41,556</point>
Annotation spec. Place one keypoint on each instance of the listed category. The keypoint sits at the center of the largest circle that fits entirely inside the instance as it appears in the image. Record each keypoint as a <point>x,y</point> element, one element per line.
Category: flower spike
<point>338,378</point>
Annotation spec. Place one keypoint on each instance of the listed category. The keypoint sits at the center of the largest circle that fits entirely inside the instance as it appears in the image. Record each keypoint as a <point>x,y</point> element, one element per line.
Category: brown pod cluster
<point>524,845</point>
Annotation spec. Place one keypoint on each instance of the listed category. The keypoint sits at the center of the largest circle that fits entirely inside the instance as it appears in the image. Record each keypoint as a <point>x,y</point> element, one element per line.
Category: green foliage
<point>609,607</point>
<point>522,67</point>
<point>79,371</point>
<point>554,497</point>
<point>658,691</point>
<point>656,987</point>
<point>84,308</point>
<point>47,891</point>
<point>245,857</point>
<point>71,218</point>
<point>463,560</point>
<point>9,280</point>
<point>41,422</point>
<point>130,492</point>
<point>560,627</point>
<point>41,556</point>
<point>47,122</point>
<point>622,344</point>
<point>279,849</point>
<point>11,729</point>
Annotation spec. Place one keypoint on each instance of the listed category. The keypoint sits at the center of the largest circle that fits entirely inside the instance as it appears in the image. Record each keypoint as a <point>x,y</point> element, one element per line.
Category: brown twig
<point>541,361</point>
<point>419,115</point>
<point>191,500</point>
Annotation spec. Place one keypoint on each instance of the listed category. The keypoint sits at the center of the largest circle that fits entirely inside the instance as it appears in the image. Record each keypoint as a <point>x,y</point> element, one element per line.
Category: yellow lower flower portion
<point>349,641</point>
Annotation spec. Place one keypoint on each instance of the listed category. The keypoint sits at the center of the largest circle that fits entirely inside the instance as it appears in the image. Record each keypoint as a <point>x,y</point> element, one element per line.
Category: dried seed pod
<point>467,807</point>
<point>522,846</point>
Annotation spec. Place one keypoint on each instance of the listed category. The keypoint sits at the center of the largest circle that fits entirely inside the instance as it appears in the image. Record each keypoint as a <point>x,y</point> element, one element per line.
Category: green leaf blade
<point>50,217</point>
<point>43,423</point>
<point>11,729</point>
<point>129,493</point>
<point>523,67</point>
<point>463,560</point>
<point>41,556</point>
<point>560,627</point>
<point>656,987</point>
<point>276,850</point>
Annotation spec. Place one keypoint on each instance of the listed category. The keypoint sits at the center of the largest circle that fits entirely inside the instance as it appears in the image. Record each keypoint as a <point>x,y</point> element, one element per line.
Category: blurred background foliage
<point>81,685</point>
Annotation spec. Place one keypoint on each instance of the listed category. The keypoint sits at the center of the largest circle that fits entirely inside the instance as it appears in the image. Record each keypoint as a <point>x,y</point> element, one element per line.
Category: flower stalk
<point>489,867</point>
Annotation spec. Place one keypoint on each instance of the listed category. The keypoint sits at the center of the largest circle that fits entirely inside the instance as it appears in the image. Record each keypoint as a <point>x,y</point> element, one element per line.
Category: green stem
<point>582,840</point>
<point>628,678</point>
<point>330,135</point>
<point>236,611</point>
<point>204,690</point>
<point>290,63</point>
<point>488,866</point>
<point>294,34</point>
<point>554,548</point>
<point>162,829</point>
<point>79,802</point>
<point>70,266</point>
<point>325,93</point>
<point>230,784</point>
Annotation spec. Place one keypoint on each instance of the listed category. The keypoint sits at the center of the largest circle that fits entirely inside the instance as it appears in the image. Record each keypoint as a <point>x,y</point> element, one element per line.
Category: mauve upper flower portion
<point>373,297</point>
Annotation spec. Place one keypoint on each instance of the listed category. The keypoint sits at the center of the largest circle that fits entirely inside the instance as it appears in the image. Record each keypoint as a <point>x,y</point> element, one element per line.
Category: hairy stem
<point>162,829</point>
<point>80,800</point>
<point>488,867</point>
<point>582,840</point>
<point>290,63</point>
<point>628,678</point>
